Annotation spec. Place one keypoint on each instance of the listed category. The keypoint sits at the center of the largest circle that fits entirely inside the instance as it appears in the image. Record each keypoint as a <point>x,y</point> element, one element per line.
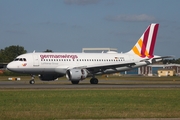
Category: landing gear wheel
<point>94,81</point>
<point>31,81</point>
<point>75,82</point>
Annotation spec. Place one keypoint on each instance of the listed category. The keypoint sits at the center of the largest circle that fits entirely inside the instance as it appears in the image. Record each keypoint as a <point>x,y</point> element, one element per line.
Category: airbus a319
<point>79,66</point>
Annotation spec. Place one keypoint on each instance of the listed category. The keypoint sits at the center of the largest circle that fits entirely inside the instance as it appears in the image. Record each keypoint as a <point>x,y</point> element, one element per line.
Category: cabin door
<point>35,60</point>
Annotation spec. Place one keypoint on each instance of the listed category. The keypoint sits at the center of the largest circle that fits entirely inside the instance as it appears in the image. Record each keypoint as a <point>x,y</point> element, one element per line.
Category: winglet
<point>145,45</point>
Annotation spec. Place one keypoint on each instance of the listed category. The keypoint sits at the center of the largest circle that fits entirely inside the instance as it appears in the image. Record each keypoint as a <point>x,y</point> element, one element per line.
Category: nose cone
<point>12,66</point>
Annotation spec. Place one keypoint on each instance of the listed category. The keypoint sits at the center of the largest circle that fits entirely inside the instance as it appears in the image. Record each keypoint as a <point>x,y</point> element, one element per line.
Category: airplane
<point>79,66</point>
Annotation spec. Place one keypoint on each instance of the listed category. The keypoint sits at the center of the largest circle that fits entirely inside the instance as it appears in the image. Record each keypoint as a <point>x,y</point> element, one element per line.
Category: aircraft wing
<point>112,65</point>
<point>104,67</point>
<point>100,67</point>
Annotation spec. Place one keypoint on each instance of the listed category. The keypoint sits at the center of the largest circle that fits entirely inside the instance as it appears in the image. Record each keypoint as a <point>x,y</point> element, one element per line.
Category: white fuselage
<point>39,63</point>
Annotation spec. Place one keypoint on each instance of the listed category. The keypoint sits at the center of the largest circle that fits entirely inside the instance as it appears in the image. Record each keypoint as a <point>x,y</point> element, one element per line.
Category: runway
<point>103,84</point>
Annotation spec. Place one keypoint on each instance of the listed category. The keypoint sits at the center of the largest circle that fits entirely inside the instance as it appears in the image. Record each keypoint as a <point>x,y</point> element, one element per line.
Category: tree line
<point>171,61</point>
<point>8,54</point>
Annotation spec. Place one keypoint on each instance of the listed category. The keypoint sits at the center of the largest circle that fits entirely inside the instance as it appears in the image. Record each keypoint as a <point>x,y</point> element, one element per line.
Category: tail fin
<point>145,45</point>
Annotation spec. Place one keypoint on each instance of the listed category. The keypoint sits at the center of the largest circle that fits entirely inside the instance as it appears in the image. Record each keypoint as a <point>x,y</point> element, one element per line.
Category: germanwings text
<point>59,56</point>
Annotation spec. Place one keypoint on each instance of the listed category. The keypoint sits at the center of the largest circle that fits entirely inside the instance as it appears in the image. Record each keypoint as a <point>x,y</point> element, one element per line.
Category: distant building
<point>176,68</point>
<point>3,66</point>
<point>152,70</point>
<point>166,72</point>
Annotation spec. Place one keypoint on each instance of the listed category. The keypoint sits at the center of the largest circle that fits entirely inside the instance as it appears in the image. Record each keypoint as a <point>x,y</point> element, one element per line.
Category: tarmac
<point>103,84</point>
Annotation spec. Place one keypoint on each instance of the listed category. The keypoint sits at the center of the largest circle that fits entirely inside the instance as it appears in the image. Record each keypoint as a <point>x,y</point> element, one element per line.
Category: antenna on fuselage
<point>34,51</point>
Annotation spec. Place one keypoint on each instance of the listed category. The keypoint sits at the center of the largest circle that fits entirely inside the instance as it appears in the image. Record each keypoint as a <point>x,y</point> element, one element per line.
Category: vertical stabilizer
<point>145,45</point>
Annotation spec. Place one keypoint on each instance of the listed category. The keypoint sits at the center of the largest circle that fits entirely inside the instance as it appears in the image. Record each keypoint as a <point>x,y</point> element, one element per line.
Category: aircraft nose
<point>11,66</point>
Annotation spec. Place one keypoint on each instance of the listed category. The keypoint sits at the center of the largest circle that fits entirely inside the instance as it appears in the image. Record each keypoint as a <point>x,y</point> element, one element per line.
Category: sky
<point>70,25</point>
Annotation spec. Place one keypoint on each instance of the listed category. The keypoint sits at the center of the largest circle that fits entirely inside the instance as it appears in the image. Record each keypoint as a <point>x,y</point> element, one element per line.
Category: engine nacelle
<point>48,77</point>
<point>76,74</point>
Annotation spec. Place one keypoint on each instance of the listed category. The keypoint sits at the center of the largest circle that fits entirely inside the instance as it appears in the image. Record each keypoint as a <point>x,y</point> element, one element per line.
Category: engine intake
<point>76,74</point>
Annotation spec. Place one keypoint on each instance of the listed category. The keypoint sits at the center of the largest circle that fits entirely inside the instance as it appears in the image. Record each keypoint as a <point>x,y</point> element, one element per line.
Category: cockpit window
<point>16,59</point>
<point>20,59</point>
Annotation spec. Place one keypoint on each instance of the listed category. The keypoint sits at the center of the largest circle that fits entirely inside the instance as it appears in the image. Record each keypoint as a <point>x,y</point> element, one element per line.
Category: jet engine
<point>76,74</point>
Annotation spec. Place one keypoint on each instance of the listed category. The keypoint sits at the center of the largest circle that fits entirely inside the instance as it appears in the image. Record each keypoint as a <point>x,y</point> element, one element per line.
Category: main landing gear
<point>94,80</point>
<point>32,80</point>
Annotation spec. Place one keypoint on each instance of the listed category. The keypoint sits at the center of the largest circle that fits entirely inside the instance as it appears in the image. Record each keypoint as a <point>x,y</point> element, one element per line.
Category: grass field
<point>89,104</point>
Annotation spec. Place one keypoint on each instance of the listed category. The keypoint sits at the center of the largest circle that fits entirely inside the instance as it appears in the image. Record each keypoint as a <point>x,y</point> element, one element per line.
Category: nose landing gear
<point>32,80</point>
